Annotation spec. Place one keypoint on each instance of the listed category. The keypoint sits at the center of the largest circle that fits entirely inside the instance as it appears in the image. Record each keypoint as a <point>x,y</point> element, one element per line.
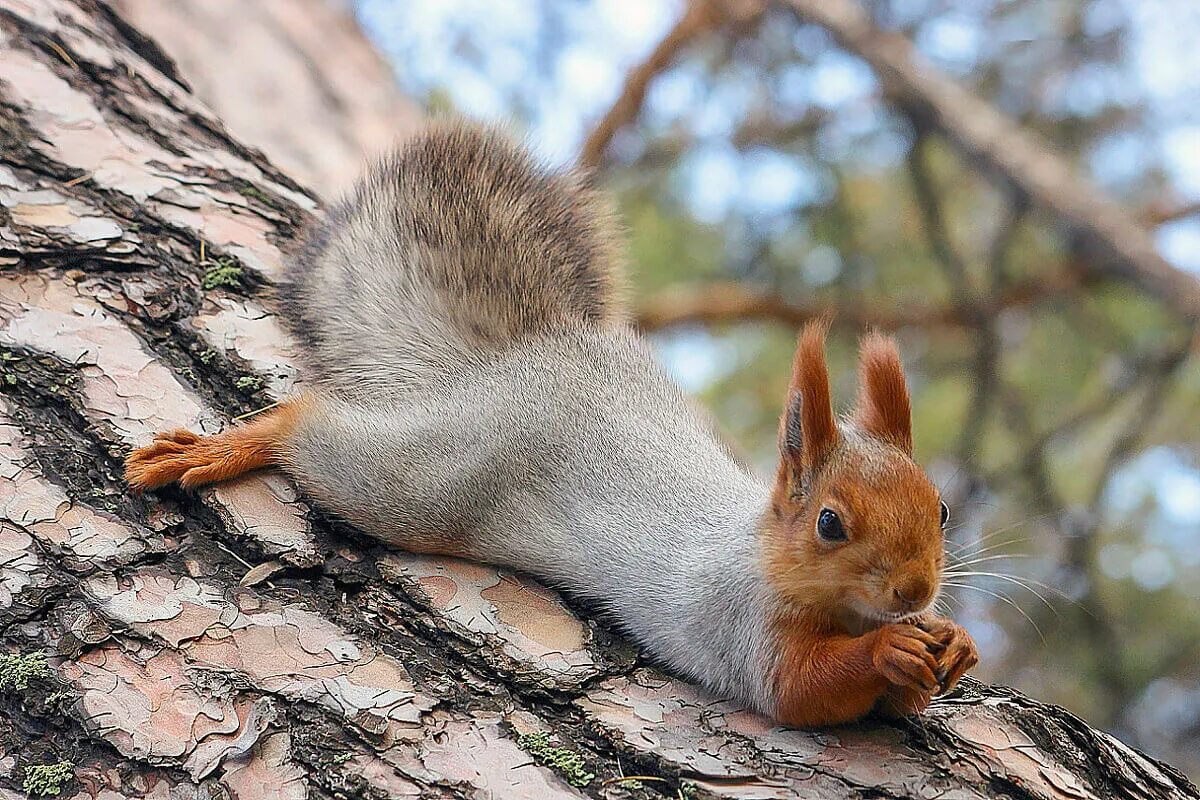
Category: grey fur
<point>455,244</point>
<point>483,397</point>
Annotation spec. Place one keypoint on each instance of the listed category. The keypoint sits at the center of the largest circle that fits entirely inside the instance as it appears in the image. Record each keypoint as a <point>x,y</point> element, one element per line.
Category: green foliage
<point>221,272</point>
<point>18,669</point>
<point>667,247</point>
<point>46,780</point>
<point>566,762</point>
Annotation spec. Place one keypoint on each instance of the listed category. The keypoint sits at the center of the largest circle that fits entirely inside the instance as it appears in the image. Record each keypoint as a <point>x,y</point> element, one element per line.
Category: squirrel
<point>475,388</point>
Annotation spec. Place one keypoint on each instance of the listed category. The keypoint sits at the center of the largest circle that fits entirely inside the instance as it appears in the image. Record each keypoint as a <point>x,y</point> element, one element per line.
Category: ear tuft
<point>807,430</point>
<point>883,408</point>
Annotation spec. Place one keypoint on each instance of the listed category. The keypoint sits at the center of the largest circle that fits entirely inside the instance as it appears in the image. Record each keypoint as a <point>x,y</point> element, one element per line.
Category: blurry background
<point>766,173</point>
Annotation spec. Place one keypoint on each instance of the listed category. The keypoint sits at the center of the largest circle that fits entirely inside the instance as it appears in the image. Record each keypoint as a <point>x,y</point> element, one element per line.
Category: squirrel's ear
<point>883,409</point>
<point>807,430</point>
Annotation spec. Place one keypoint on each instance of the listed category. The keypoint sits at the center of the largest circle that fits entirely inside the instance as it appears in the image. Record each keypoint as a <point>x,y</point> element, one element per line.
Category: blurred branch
<point>990,139</point>
<point>1160,213</point>
<point>728,302</point>
<point>937,231</point>
<point>980,314</point>
<point>1154,374</point>
<point>1159,361</point>
<point>1156,381</point>
<point>1081,547</point>
<point>988,347</point>
<point>699,17</point>
<point>768,129</point>
<point>755,131</point>
<point>1151,368</point>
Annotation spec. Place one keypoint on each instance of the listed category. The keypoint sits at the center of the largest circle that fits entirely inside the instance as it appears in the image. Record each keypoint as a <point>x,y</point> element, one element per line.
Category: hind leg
<point>193,461</point>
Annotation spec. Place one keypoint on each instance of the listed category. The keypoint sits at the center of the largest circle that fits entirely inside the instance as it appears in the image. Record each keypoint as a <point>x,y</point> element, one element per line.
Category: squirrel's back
<point>456,244</point>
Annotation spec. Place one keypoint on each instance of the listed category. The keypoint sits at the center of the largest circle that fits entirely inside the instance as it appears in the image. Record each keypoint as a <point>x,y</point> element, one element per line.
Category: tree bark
<point>238,643</point>
<point>294,78</point>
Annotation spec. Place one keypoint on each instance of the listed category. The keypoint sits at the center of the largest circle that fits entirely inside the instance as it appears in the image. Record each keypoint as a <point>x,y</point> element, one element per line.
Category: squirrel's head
<point>854,530</point>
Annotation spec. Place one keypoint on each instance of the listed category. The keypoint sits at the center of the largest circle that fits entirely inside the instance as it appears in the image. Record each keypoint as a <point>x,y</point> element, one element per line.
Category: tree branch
<point>699,17</point>
<point>1124,248</point>
<point>730,302</point>
<point>937,231</point>
<point>1161,213</point>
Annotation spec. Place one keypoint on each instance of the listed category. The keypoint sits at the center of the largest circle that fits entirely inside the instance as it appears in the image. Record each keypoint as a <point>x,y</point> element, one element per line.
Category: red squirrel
<point>474,388</point>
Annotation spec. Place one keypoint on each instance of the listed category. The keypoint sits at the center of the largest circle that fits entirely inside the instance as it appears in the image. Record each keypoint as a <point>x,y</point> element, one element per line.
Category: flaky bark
<point>238,642</point>
<point>295,78</point>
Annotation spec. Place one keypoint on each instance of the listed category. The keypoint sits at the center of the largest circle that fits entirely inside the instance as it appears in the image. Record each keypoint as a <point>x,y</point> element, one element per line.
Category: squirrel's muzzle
<point>910,592</point>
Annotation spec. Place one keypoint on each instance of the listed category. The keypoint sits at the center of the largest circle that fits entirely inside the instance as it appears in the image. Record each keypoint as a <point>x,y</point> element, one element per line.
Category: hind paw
<point>192,460</point>
<point>166,460</point>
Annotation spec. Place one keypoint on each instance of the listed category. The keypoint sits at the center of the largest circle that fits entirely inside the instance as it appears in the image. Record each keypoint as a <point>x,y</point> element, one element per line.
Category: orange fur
<point>883,408</point>
<point>193,461</point>
<point>824,678</point>
<point>837,659</point>
<point>807,430</point>
<point>829,678</point>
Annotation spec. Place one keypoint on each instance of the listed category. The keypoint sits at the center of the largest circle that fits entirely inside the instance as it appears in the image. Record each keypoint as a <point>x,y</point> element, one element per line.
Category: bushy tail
<point>457,244</point>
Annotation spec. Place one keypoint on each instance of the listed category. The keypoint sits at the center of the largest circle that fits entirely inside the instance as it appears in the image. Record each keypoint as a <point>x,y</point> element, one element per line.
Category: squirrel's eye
<point>829,527</point>
<point>945,514</point>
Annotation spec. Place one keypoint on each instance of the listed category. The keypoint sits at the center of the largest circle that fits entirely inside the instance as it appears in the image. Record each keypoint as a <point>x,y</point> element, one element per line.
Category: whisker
<point>944,600</point>
<point>966,503</point>
<point>1016,524</point>
<point>1005,529</point>
<point>1010,579</point>
<point>1006,543</point>
<point>958,547</point>
<point>1041,584</point>
<point>1001,557</point>
<point>942,486</point>
<point>1006,599</point>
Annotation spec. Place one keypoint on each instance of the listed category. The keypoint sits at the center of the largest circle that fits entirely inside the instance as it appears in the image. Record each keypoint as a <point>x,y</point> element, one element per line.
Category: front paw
<point>904,655</point>
<point>958,652</point>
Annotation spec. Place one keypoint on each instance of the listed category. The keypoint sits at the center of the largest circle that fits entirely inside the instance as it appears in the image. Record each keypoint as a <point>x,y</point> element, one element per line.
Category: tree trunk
<point>294,78</point>
<point>238,643</point>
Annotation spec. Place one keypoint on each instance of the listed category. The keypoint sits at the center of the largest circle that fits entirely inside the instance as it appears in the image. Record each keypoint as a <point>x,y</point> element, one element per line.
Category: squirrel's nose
<point>911,591</point>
